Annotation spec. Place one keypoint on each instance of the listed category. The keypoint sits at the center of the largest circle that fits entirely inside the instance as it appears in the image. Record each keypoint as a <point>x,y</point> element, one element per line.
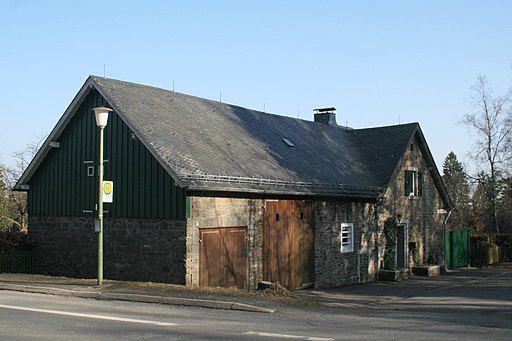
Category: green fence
<point>17,262</point>
<point>457,249</point>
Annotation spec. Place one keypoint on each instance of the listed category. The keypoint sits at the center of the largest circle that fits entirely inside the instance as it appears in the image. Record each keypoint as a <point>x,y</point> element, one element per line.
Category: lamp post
<point>101,114</point>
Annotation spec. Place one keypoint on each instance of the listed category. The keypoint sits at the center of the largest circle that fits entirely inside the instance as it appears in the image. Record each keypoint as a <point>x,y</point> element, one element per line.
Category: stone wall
<point>134,249</point>
<point>420,213</point>
<point>208,212</point>
<point>332,267</point>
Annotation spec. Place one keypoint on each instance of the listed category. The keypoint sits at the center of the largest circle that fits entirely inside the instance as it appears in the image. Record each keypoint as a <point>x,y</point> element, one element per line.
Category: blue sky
<point>377,62</point>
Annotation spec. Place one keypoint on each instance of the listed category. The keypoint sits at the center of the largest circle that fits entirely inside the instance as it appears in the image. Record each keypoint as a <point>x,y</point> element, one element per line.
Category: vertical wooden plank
<point>160,190</point>
<point>154,188</point>
<point>167,196</point>
<point>75,178</point>
<point>180,201</point>
<point>235,256</point>
<point>148,179</point>
<point>210,263</point>
<point>173,198</point>
<point>125,170</point>
<point>135,197</point>
<point>88,203</point>
<point>141,180</point>
<point>130,193</point>
<point>268,241</point>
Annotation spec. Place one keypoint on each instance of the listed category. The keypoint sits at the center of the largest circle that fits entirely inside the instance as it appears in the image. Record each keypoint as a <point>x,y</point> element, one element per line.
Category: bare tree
<point>491,120</point>
<point>17,201</point>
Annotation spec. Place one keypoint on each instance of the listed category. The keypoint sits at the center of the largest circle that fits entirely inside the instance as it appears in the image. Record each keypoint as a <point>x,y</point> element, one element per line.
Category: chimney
<point>326,116</point>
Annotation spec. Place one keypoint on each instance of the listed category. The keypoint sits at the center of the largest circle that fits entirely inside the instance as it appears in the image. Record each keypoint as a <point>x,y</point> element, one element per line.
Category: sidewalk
<point>136,292</point>
<point>467,288</point>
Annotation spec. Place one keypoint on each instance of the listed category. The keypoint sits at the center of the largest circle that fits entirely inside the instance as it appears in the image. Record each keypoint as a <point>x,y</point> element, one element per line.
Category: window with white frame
<point>347,237</point>
<point>413,183</point>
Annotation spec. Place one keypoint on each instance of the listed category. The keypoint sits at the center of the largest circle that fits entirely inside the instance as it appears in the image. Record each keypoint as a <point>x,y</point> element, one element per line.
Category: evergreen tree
<point>458,189</point>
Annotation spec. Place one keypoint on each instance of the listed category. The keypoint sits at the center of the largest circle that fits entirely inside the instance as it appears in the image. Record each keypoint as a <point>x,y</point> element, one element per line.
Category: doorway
<point>288,243</point>
<point>223,257</point>
<point>401,247</point>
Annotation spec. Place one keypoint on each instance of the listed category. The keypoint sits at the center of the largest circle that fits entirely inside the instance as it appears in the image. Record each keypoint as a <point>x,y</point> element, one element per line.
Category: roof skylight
<point>288,142</point>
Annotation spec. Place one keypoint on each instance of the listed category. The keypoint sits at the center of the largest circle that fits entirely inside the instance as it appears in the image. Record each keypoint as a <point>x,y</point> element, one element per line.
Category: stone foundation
<point>134,249</point>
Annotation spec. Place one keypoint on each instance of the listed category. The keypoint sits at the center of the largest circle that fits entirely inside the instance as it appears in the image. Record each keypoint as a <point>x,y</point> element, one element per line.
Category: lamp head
<point>101,114</point>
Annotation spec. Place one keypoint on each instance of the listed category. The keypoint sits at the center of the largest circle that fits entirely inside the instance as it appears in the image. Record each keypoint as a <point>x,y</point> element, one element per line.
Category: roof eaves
<point>433,169</point>
<point>265,192</point>
<point>54,135</point>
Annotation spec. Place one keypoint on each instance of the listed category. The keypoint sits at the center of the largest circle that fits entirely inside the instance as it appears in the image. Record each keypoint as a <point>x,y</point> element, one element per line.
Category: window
<point>347,237</point>
<point>288,142</point>
<point>413,183</point>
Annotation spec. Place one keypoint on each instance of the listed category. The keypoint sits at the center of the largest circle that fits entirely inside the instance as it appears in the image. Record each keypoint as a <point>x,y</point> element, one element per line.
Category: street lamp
<point>101,114</point>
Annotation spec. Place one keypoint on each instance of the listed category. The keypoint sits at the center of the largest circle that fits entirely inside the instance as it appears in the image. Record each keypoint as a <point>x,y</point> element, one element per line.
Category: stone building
<point>207,193</point>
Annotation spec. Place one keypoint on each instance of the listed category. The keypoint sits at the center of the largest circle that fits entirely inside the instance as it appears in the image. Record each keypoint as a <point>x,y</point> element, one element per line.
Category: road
<point>27,316</point>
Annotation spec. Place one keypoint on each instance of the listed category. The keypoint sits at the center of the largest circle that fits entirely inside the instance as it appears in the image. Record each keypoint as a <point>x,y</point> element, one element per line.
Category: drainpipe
<point>380,202</point>
<point>444,236</point>
<point>447,217</point>
<point>359,254</point>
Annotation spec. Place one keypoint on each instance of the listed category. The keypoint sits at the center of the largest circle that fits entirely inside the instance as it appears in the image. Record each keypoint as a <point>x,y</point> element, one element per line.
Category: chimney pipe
<point>326,116</point>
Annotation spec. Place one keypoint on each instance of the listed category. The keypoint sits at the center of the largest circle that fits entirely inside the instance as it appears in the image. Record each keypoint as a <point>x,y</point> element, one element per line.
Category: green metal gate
<point>457,248</point>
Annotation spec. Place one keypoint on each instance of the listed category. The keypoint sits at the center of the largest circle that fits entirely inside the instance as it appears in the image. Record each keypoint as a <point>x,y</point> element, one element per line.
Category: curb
<point>110,296</point>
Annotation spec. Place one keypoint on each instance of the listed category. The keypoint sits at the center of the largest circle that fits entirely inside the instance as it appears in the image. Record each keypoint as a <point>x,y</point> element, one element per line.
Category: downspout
<point>447,217</point>
<point>380,202</point>
<point>444,236</point>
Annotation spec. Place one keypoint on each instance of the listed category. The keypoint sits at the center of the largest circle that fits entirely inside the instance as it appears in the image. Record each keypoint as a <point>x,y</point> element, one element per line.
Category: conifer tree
<point>458,189</point>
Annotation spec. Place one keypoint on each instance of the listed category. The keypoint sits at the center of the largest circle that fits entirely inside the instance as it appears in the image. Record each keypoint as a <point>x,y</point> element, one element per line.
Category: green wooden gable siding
<point>142,188</point>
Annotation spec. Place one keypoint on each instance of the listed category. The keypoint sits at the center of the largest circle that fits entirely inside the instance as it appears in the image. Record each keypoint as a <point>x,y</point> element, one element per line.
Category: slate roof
<point>211,146</point>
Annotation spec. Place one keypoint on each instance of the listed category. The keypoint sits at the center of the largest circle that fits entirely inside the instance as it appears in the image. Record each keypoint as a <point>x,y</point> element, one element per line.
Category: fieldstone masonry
<point>225,212</point>
<point>420,214</point>
<point>134,249</point>
<point>332,267</point>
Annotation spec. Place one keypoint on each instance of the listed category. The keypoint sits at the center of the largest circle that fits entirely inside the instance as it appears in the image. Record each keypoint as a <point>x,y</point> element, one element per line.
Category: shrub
<point>390,235</point>
<point>15,241</point>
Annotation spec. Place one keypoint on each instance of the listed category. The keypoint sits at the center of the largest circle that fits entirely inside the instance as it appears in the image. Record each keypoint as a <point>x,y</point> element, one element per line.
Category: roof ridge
<point>98,79</point>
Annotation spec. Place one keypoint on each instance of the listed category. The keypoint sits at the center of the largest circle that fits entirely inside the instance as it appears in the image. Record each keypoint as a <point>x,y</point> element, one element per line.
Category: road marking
<point>90,316</point>
<point>287,336</point>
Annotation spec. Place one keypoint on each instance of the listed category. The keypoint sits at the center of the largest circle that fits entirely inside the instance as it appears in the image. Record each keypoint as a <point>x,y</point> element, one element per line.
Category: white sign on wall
<point>108,192</point>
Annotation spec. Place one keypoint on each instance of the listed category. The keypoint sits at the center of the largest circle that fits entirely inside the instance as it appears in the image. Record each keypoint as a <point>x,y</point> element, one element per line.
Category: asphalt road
<point>25,316</point>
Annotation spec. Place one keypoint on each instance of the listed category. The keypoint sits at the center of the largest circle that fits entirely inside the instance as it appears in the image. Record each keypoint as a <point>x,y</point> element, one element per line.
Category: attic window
<point>288,142</point>
<point>414,183</point>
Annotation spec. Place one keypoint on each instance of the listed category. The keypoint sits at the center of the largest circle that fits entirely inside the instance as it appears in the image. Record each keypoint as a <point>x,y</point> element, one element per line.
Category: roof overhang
<point>22,184</point>
<point>275,194</point>
<point>438,180</point>
<point>52,139</point>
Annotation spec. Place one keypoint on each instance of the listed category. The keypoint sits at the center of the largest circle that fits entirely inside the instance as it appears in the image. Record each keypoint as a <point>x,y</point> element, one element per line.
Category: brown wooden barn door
<point>288,243</point>
<point>223,257</point>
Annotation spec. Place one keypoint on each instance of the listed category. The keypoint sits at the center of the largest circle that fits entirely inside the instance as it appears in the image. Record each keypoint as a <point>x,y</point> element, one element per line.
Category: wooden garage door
<point>223,257</point>
<point>288,243</point>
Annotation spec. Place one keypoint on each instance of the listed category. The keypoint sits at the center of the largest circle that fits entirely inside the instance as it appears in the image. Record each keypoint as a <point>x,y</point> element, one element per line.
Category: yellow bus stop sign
<point>108,192</point>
